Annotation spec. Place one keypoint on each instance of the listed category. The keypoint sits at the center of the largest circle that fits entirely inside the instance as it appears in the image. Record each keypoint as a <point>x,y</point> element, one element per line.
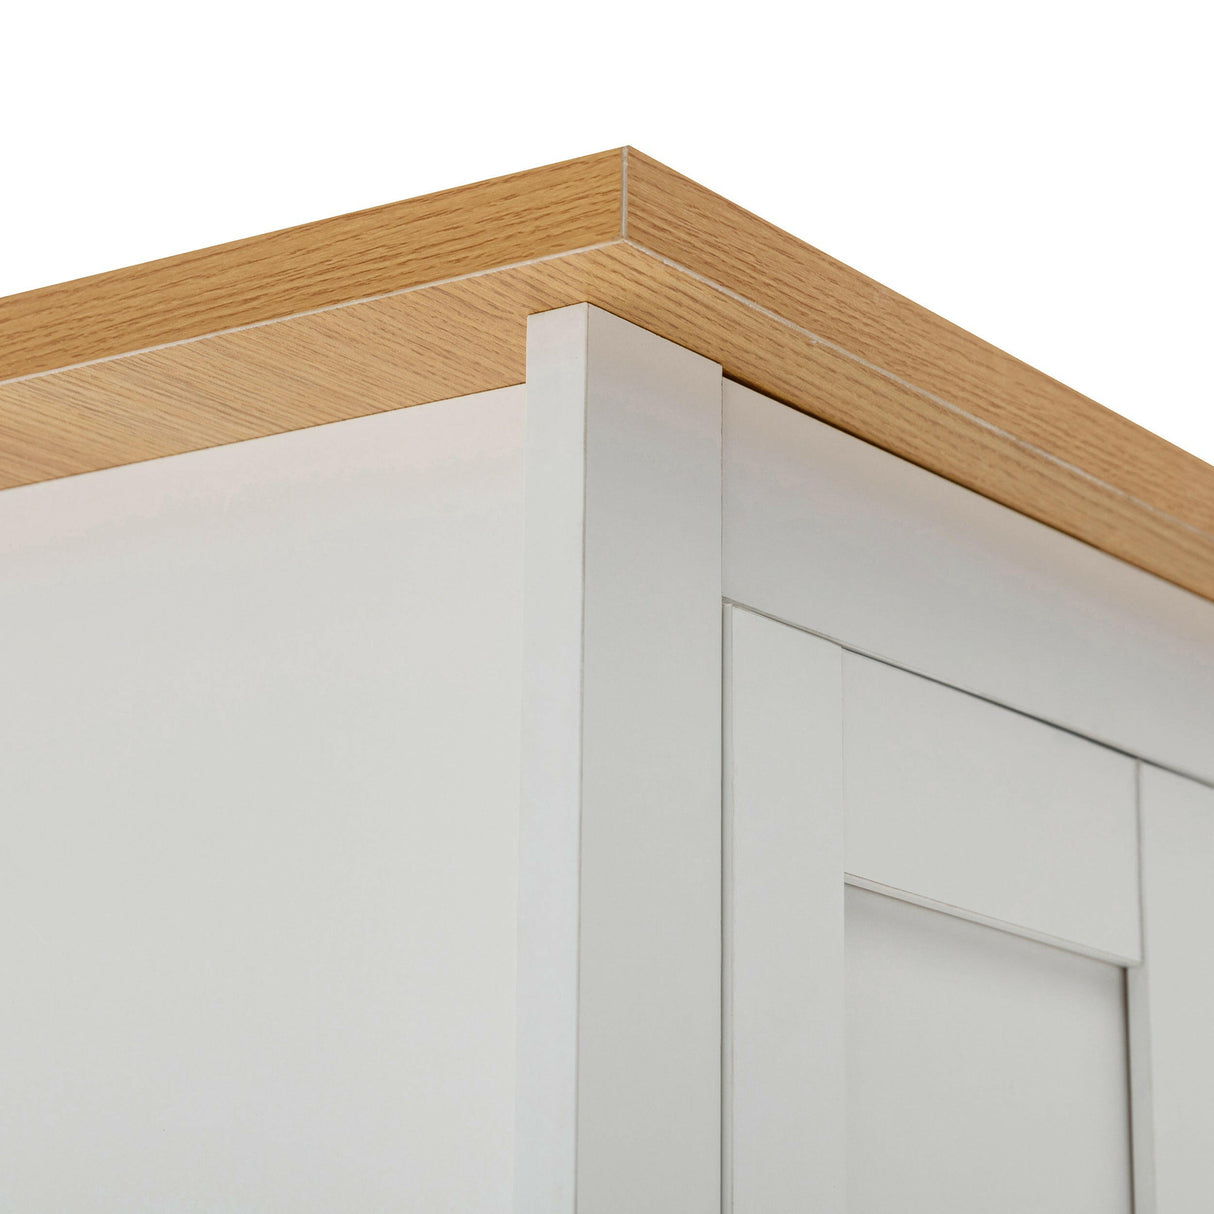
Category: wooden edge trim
<point>679,220</point>
<point>671,256</point>
<point>470,229</point>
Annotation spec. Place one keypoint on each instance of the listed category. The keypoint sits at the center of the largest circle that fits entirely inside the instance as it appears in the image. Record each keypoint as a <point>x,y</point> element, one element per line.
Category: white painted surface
<point>784,921</point>
<point>545,1175</point>
<point>984,1072</point>
<point>619,1025</point>
<point>258,780</point>
<point>1172,999</point>
<point>959,801</point>
<point>839,537</point>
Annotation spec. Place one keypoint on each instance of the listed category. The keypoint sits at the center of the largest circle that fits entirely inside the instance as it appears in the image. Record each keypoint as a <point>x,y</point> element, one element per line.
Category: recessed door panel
<point>985,1072</point>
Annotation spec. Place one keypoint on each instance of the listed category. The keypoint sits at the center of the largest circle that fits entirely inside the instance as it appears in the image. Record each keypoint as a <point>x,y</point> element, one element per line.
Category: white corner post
<point>619,975</point>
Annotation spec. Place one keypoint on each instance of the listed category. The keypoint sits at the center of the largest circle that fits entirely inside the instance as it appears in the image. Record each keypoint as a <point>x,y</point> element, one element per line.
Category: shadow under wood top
<point>428,298</point>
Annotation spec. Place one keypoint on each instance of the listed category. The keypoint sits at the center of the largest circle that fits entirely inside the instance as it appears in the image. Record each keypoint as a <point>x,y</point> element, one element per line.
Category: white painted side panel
<point>984,1072</point>
<point>1172,999</point>
<point>970,805</point>
<point>784,922</point>
<point>258,785</point>
<point>622,773</point>
<point>836,536</point>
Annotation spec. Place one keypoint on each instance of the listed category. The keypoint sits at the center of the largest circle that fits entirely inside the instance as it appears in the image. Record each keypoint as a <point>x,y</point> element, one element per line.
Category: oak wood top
<point>428,298</point>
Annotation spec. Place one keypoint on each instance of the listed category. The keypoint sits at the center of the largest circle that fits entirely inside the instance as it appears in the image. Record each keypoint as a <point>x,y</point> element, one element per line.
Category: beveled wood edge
<point>1127,491</point>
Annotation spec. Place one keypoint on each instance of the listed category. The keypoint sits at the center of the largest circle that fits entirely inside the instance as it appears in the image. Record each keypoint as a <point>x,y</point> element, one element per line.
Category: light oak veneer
<point>428,298</point>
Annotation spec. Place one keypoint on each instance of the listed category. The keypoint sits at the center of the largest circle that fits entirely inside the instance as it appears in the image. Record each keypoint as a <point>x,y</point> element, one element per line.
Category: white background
<point>1038,172</point>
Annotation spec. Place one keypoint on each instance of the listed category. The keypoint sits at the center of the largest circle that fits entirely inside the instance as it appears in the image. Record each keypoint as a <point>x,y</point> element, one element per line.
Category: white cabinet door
<point>931,906</point>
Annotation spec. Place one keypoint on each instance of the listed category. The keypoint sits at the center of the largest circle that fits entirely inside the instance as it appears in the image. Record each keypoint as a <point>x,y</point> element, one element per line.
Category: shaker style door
<point>931,903</point>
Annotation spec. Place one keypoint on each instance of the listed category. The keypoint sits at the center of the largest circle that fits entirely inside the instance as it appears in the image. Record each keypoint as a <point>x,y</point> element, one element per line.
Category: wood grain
<point>777,314</point>
<point>390,248</point>
<point>681,220</point>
